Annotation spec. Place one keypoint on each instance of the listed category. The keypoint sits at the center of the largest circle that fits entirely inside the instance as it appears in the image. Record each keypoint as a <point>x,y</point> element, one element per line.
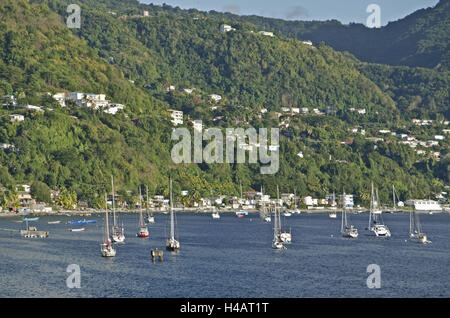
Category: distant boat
<point>150,218</point>
<point>277,242</point>
<point>287,213</point>
<point>54,222</point>
<point>396,204</point>
<point>376,224</point>
<point>142,229</point>
<point>172,244</point>
<point>106,248</point>
<point>296,210</point>
<point>117,234</point>
<point>215,215</point>
<point>347,230</point>
<point>82,222</point>
<point>30,219</point>
<point>77,230</point>
<point>263,213</point>
<point>241,214</point>
<point>333,214</point>
<point>415,229</point>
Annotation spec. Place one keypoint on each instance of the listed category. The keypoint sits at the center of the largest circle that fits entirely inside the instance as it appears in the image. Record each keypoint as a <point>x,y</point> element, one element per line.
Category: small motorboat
<point>77,230</point>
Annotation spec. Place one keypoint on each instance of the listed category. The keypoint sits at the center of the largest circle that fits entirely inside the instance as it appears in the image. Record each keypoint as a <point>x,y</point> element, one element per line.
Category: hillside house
<point>177,117</point>
<point>16,117</point>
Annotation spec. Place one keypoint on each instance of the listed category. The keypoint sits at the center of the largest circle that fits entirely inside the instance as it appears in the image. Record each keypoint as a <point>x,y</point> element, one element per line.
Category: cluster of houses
<point>27,203</point>
<point>94,101</point>
<point>228,28</point>
<point>251,200</point>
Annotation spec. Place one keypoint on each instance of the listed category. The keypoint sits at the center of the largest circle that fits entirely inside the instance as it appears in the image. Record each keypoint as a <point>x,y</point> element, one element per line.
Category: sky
<point>345,11</point>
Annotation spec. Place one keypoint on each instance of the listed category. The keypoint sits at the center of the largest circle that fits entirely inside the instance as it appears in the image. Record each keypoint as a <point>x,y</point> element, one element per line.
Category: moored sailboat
<point>142,229</point>
<point>415,229</point>
<point>117,234</point>
<point>376,224</point>
<point>172,244</point>
<point>277,242</point>
<point>150,217</point>
<point>106,247</point>
<point>347,230</point>
<point>333,214</point>
<point>286,237</point>
<point>215,215</point>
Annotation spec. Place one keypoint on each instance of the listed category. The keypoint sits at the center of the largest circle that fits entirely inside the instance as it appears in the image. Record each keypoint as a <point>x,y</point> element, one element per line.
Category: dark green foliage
<point>40,191</point>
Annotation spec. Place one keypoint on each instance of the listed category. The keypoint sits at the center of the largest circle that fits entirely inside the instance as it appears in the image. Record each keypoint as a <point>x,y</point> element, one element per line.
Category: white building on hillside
<point>177,117</point>
<point>16,117</point>
<point>226,28</point>
<point>215,97</point>
<point>60,98</point>
<point>114,108</point>
<point>266,33</point>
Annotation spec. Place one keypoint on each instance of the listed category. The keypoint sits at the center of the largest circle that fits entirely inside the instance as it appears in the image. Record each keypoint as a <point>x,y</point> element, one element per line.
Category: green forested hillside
<point>130,58</point>
<point>420,39</point>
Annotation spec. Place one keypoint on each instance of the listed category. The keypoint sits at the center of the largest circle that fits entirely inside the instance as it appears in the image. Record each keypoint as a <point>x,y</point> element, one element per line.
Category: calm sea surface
<point>229,257</point>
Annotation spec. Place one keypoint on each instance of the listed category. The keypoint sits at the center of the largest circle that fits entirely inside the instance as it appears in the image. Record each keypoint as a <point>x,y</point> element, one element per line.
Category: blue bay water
<point>229,257</point>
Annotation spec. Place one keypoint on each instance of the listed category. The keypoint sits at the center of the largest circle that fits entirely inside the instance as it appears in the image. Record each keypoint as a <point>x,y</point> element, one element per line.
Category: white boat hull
<point>381,231</point>
<point>286,237</point>
<point>419,238</point>
<point>353,233</point>
<point>172,245</point>
<point>278,245</point>
<point>118,238</point>
<point>107,250</point>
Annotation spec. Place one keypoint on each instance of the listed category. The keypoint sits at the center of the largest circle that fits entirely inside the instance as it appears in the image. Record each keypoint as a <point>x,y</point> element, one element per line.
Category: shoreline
<point>84,213</point>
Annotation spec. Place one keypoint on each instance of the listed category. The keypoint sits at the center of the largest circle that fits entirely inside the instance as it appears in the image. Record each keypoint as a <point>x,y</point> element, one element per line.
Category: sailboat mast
<point>278,211</point>
<point>393,194</point>
<point>106,218</point>
<point>141,220</point>
<point>113,202</point>
<point>172,225</point>
<point>344,214</point>
<point>371,206</point>
<point>146,206</point>
<point>411,223</point>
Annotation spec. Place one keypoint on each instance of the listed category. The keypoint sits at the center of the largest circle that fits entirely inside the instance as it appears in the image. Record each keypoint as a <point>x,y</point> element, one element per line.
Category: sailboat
<point>172,244</point>
<point>106,247</point>
<point>347,230</point>
<point>397,203</point>
<point>150,218</point>
<point>277,242</point>
<point>415,229</point>
<point>284,236</point>
<point>117,232</point>
<point>265,215</point>
<point>296,209</point>
<point>376,224</point>
<point>333,214</point>
<point>263,212</point>
<point>215,215</point>
<point>142,229</point>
